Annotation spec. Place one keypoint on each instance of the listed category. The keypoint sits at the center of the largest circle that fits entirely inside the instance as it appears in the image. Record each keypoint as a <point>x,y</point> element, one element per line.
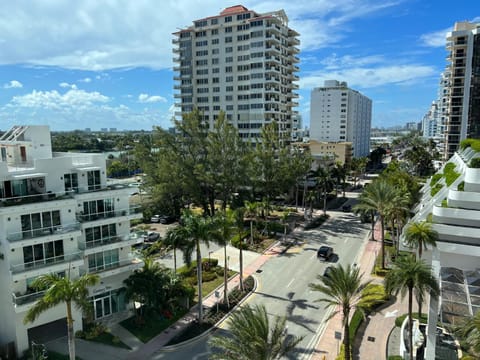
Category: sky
<point>108,63</point>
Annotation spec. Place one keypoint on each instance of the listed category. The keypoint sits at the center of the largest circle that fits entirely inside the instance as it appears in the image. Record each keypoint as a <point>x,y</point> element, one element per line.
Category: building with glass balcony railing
<point>57,215</point>
<point>453,206</point>
<point>243,63</point>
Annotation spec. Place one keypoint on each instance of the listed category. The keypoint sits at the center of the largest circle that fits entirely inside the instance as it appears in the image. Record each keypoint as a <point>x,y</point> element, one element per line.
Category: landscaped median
<point>215,314</point>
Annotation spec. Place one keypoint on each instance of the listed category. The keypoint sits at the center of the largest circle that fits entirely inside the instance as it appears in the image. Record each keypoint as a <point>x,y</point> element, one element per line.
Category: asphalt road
<point>283,284</point>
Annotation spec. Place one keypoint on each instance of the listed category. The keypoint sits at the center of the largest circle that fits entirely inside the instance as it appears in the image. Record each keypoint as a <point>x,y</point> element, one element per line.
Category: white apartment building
<point>57,215</point>
<point>462,98</point>
<point>241,62</point>
<point>455,212</point>
<point>431,122</point>
<point>340,114</point>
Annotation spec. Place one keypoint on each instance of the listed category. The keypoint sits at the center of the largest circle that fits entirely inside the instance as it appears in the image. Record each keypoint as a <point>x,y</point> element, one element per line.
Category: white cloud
<point>99,35</point>
<point>370,77</point>
<point>436,38</point>
<point>13,84</point>
<point>145,98</point>
<point>54,100</point>
<point>85,80</point>
<point>67,85</point>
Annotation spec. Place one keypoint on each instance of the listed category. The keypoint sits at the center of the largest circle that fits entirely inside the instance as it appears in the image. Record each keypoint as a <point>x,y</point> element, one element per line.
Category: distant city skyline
<point>109,65</point>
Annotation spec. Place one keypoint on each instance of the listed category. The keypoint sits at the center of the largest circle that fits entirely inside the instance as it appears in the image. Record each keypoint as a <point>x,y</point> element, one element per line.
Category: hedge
<point>473,143</point>
<point>435,189</point>
<point>475,163</point>
<point>399,320</point>
<point>435,178</point>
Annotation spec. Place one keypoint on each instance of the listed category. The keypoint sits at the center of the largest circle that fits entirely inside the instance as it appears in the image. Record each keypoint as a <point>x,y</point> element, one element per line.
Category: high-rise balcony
<point>35,198</point>
<point>120,266</point>
<point>132,212</point>
<point>26,298</point>
<point>44,263</point>
<point>45,231</point>
<point>130,239</point>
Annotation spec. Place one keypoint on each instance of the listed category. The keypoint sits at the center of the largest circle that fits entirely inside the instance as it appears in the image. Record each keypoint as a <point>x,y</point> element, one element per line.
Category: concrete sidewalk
<point>160,340</point>
<point>377,327</point>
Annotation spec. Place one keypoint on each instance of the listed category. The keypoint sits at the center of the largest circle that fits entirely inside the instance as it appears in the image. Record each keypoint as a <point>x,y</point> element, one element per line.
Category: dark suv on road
<point>325,253</point>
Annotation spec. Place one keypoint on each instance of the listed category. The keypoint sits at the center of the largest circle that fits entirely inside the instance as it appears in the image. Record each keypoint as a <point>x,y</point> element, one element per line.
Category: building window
<point>100,235</point>
<point>103,260</point>
<point>39,224</point>
<point>93,180</point>
<point>42,254</point>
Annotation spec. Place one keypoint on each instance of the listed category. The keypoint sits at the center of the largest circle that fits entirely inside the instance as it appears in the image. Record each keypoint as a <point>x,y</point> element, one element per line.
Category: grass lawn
<point>209,286</point>
<point>153,325</point>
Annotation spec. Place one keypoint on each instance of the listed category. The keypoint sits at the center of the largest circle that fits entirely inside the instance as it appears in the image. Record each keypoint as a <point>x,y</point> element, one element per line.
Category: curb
<point>214,327</point>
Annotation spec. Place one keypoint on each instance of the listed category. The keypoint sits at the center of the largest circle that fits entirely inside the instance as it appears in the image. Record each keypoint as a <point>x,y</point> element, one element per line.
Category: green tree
<point>252,336</point>
<point>407,275</point>
<point>196,230</point>
<point>419,235</point>
<point>469,335</point>
<point>343,289</point>
<point>377,197</point>
<point>225,225</point>
<point>173,238</point>
<point>62,290</point>
<point>251,213</point>
<point>228,159</point>
<point>238,240</point>
<point>396,212</point>
<point>324,183</point>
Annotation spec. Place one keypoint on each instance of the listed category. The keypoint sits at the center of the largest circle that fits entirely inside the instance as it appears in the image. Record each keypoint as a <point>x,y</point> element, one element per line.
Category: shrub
<point>209,276</point>
<point>473,143</point>
<point>374,295</point>
<point>80,334</point>
<point>435,189</point>
<point>448,167</point>
<point>395,357</point>
<point>435,179</point>
<point>444,203</point>
<point>357,319</point>
<point>451,177</point>
<point>475,163</point>
<point>461,186</point>
<point>399,320</point>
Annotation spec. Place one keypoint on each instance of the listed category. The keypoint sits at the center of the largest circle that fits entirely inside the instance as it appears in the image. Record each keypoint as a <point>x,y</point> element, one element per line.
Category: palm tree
<point>311,197</point>
<point>395,212</point>
<point>343,288</point>
<point>407,275</point>
<point>419,235</point>
<point>377,197</point>
<point>284,219</point>
<point>195,230</point>
<point>225,224</point>
<point>173,239</point>
<point>237,240</point>
<point>469,332</point>
<point>324,181</point>
<point>251,213</point>
<point>253,337</point>
<point>62,290</point>
<point>366,214</point>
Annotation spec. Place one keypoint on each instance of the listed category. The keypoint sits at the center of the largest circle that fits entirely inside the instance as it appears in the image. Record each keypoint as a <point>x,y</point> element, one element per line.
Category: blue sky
<point>98,63</point>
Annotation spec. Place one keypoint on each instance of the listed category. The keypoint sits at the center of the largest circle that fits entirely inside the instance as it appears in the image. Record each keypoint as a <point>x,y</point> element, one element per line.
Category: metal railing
<point>117,264</point>
<point>109,240</point>
<point>45,262</point>
<point>45,231</point>
<point>35,198</point>
<point>136,209</point>
<point>22,299</point>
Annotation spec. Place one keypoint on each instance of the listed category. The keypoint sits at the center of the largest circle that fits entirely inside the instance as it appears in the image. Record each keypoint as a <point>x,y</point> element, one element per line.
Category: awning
<point>88,168</point>
<point>27,176</point>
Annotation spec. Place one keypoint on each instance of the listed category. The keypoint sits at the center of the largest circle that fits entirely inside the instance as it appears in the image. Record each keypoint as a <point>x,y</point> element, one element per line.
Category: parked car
<point>155,219</point>
<point>328,271</point>
<point>324,252</point>
<point>347,208</point>
<point>152,236</point>
<point>166,219</point>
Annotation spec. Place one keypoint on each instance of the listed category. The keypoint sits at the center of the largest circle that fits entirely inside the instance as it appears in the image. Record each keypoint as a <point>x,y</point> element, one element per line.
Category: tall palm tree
<point>253,336</point>
<point>395,212</point>
<point>366,214</point>
<point>195,230</point>
<point>419,235</point>
<point>174,239</point>
<point>251,213</point>
<point>62,290</point>
<point>377,197</point>
<point>469,332</point>
<point>284,219</point>
<point>409,274</point>
<point>342,288</point>
<point>238,238</point>
<point>311,197</point>
<point>225,226</point>
<point>324,182</point>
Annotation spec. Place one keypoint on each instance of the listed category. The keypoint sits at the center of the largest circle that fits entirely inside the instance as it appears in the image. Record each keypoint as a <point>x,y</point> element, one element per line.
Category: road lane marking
<point>290,283</point>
